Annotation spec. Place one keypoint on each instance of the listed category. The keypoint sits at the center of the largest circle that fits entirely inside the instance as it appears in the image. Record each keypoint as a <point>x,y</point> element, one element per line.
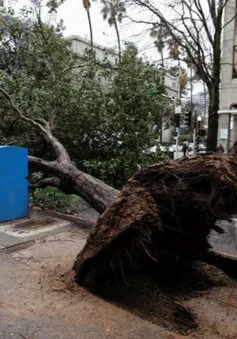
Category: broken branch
<point>43,126</point>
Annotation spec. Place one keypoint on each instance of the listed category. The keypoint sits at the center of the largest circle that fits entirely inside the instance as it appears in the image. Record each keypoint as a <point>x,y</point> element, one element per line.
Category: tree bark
<point>70,180</point>
<point>91,31</point>
<point>163,66</point>
<point>214,90</point>
<point>213,117</point>
<point>118,39</point>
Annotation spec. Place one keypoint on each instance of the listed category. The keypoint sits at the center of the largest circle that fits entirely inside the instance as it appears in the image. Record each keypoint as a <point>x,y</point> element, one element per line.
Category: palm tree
<point>160,34</point>
<point>114,10</point>
<point>87,5</point>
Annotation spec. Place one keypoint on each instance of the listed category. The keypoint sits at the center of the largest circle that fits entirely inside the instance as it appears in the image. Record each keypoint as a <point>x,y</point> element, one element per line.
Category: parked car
<point>202,147</point>
<point>174,148</point>
<point>163,148</point>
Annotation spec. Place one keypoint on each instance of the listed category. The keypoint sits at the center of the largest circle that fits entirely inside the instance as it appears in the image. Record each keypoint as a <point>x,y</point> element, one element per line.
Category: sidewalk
<point>37,304</point>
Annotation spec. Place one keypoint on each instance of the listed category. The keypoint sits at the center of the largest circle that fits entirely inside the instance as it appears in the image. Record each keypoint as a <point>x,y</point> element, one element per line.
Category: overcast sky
<point>76,23</point>
<point>75,19</point>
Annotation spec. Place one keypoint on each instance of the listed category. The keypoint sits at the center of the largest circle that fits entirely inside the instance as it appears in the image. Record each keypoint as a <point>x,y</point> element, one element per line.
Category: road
<point>180,154</point>
<point>226,243</point>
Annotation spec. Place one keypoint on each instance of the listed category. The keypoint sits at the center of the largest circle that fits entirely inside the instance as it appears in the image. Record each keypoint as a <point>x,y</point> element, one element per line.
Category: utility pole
<point>199,119</point>
<point>205,100</point>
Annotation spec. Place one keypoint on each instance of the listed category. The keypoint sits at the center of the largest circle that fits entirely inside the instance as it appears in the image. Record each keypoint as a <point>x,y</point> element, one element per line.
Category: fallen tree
<point>65,175</point>
<point>165,213</point>
<point>60,93</point>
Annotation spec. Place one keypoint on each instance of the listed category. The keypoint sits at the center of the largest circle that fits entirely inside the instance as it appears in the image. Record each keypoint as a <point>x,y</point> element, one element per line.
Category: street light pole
<point>199,119</point>
<point>193,110</point>
<point>194,132</point>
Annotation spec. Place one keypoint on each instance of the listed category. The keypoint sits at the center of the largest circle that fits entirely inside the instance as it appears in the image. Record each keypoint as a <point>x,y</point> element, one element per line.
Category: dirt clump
<point>157,228</point>
<point>160,221</point>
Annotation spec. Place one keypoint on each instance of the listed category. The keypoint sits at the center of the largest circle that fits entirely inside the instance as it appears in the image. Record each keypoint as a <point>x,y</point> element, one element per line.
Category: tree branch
<point>43,126</point>
<point>19,112</point>
<point>50,166</point>
<point>182,39</point>
<point>52,181</point>
<point>204,20</point>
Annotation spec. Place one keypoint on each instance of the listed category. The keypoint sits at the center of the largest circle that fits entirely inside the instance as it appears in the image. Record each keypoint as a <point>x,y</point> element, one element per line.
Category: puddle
<point>37,223</point>
<point>33,226</point>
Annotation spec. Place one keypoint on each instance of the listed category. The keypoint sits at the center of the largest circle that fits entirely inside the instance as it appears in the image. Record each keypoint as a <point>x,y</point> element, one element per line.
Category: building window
<point>235,63</point>
<point>116,61</point>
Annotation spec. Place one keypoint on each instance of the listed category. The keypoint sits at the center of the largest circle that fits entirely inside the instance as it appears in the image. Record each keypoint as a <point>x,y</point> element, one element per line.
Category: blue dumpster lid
<point>7,146</point>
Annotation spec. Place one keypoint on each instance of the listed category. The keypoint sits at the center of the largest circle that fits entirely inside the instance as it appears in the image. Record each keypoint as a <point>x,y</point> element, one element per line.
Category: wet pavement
<point>35,304</point>
<point>225,244</point>
<point>37,225</point>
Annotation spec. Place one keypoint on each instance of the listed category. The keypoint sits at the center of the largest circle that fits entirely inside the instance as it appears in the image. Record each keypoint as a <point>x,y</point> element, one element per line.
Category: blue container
<point>14,194</point>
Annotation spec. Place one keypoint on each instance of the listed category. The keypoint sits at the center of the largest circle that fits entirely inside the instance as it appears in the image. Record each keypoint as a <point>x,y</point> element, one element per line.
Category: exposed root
<point>161,218</point>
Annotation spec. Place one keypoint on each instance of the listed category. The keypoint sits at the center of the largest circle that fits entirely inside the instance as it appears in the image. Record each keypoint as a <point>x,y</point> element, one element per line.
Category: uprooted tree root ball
<point>164,214</point>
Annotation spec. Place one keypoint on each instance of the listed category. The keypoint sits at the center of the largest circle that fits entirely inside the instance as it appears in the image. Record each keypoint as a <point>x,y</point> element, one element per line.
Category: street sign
<point>223,133</point>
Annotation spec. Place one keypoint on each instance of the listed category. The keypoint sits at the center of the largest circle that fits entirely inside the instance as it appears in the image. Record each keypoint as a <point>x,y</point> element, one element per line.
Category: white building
<point>202,100</point>
<point>228,97</point>
<point>80,45</point>
<point>171,86</point>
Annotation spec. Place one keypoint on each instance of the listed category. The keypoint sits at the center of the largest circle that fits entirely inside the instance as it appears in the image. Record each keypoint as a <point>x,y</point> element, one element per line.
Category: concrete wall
<point>228,95</point>
<point>228,83</point>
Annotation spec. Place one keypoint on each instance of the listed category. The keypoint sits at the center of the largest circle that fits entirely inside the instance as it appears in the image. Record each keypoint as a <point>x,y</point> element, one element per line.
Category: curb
<point>81,221</point>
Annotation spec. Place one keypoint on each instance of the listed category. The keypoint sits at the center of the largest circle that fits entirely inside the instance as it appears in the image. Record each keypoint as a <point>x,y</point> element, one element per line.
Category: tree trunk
<point>71,180</point>
<point>91,31</point>
<point>213,118</point>
<point>98,194</point>
<point>214,90</point>
<point>118,38</point>
<point>163,66</point>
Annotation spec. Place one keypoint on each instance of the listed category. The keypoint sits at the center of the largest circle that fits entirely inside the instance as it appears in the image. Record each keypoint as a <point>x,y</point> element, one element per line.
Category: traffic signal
<point>177,120</point>
<point>202,133</point>
<point>187,118</point>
